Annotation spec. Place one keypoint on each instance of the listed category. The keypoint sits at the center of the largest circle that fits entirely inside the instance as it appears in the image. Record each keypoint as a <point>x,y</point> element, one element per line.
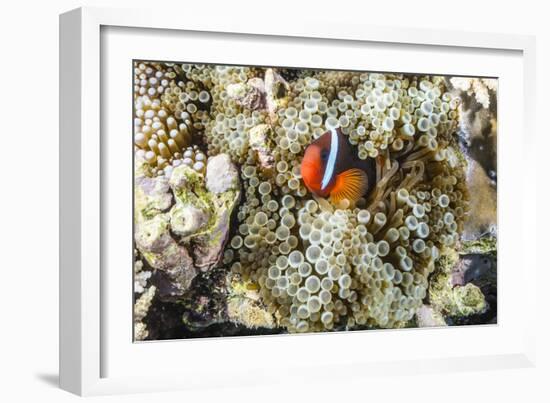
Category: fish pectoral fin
<point>350,184</point>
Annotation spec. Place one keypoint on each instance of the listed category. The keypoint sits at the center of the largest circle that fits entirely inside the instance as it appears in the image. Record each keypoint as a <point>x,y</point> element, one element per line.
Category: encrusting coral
<point>244,306</point>
<point>308,264</point>
<point>144,298</point>
<point>427,316</point>
<point>182,222</point>
<point>478,137</point>
<point>141,308</point>
<point>481,88</point>
<point>449,298</point>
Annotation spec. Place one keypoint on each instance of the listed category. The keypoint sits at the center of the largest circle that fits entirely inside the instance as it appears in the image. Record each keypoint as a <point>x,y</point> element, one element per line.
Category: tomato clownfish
<point>330,169</point>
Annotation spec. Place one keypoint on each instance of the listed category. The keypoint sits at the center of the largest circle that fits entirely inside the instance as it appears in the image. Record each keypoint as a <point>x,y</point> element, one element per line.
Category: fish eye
<point>324,154</point>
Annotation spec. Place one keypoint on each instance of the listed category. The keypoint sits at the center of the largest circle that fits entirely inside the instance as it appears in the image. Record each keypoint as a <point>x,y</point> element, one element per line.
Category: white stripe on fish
<point>331,163</point>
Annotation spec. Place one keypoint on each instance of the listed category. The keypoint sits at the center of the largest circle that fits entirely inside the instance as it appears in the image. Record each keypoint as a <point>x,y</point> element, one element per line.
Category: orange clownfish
<point>330,168</point>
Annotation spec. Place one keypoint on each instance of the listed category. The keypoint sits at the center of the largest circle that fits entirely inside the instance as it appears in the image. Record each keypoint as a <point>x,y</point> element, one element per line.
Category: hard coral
<point>180,225</point>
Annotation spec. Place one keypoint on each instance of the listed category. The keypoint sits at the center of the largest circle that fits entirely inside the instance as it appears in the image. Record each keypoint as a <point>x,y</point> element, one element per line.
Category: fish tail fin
<point>350,184</point>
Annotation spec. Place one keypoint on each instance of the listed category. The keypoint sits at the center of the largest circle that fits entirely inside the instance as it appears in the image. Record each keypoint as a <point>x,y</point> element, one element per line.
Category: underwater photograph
<point>277,200</point>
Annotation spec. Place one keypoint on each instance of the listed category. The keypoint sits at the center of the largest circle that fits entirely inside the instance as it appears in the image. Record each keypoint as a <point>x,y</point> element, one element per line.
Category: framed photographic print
<point>229,192</point>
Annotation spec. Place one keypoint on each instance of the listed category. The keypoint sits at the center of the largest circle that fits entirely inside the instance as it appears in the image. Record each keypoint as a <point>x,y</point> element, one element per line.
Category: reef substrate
<point>228,240</point>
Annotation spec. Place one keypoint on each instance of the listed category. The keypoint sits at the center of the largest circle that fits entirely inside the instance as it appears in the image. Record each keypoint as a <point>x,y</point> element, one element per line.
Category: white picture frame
<point>85,303</point>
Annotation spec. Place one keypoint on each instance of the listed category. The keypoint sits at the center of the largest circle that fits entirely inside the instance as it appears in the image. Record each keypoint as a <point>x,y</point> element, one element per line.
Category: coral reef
<point>320,266</point>
<point>230,233</point>
<point>144,298</point>
<point>483,204</point>
<point>244,306</point>
<point>478,138</point>
<point>141,308</point>
<point>464,284</point>
<point>427,316</point>
<point>182,223</point>
<point>482,89</point>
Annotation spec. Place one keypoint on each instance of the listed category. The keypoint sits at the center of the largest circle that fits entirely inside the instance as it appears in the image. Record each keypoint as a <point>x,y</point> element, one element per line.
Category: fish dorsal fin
<point>350,184</point>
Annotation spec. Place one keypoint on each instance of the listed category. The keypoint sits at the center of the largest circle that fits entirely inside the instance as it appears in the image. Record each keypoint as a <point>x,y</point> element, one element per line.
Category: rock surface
<point>426,316</point>
<point>482,219</point>
<point>276,89</point>
<point>463,288</point>
<point>182,224</point>
<point>186,219</point>
<point>221,175</point>
<point>244,305</point>
<point>478,134</point>
<point>260,141</point>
